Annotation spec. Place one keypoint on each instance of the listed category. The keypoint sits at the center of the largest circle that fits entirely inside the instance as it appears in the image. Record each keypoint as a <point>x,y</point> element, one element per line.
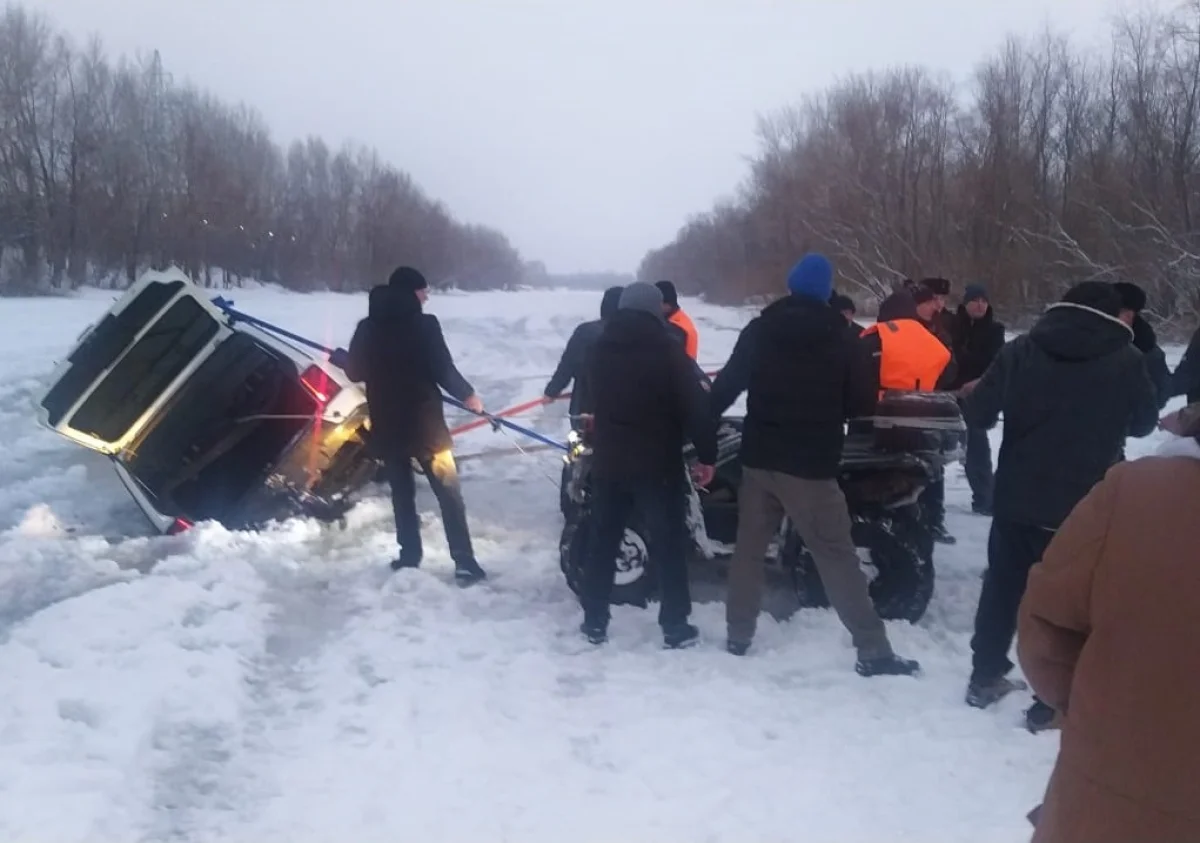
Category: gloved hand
<point>474,404</point>
<point>339,357</point>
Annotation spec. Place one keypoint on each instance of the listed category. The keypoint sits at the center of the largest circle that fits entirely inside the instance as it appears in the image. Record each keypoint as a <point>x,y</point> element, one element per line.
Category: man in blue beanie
<point>804,376</point>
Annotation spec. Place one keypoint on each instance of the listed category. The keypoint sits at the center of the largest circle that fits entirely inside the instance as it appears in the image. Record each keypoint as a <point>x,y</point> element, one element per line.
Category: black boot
<point>595,633</point>
<point>405,562</point>
<point>887,666</point>
<point>1039,717</point>
<point>987,692</point>
<point>737,648</point>
<point>678,636</point>
<point>468,573</point>
<point>942,537</point>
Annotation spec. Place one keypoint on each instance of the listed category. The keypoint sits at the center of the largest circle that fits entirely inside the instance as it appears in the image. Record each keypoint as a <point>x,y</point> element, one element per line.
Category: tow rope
<point>497,421</point>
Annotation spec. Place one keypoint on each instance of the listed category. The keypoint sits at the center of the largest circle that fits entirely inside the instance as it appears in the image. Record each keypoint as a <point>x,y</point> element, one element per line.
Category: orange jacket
<point>911,357</point>
<point>681,320</point>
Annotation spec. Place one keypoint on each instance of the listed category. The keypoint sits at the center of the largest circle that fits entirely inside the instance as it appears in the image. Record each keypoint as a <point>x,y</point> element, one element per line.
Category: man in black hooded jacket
<point>575,355</point>
<point>401,355</point>
<point>1133,302</point>
<point>1071,391</point>
<point>1185,380</point>
<point>978,338</point>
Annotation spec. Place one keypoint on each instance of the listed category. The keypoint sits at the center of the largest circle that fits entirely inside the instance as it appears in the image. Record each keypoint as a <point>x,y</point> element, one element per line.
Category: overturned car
<point>208,417</point>
<point>888,462</point>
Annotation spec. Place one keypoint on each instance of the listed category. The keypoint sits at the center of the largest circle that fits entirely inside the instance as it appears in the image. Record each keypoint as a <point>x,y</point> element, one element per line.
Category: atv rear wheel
<point>632,584</point>
<point>900,570</point>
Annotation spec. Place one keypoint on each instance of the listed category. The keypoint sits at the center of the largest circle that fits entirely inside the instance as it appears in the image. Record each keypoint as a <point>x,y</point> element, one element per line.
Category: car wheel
<point>899,567</point>
<point>631,585</point>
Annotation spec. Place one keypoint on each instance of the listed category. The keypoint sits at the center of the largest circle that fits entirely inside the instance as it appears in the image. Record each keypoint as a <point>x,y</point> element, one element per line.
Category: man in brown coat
<point>1109,637</point>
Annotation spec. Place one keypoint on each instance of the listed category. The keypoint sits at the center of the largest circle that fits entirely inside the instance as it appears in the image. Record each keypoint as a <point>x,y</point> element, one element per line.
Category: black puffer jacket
<point>574,356</point>
<point>1146,341</point>
<point>805,375</point>
<point>1185,380</point>
<point>400,354</point>
<point>647,402</point>
<point>976,344</point>
<point>1071,391</point>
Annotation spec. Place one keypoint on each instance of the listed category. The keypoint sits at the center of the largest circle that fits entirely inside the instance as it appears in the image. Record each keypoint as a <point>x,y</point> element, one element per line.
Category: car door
<point>133,360</point>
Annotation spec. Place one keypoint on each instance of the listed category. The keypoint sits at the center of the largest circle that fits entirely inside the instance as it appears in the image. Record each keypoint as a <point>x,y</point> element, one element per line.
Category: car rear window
<point>104,344</point>
<point>146,370</point>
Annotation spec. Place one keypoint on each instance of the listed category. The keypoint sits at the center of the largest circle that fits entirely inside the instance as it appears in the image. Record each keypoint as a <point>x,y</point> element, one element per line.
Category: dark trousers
<point>933,500</point>
<point>979,468</point>
<point>442,474</point>
<point>663,507</point>
<point>1012,550</point>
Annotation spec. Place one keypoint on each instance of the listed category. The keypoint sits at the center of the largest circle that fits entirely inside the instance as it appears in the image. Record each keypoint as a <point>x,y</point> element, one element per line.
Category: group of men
<point>1086,376</point>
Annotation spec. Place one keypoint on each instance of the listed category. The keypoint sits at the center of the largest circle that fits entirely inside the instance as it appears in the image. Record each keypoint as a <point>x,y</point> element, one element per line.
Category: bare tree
<point>107,169</point>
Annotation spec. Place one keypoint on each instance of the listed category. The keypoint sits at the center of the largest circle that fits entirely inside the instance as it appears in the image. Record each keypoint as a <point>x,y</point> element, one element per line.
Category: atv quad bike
<point>888,462</point>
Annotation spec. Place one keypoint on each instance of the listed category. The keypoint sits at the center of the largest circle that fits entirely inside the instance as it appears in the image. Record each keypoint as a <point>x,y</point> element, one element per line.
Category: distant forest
<point>108,168</point>
<point>1056,165</point>
<point>536,275</point>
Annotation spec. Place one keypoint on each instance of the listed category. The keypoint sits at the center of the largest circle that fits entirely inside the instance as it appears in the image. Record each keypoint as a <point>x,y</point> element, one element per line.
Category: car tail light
<point>179,525</point>
<point>319,385</point>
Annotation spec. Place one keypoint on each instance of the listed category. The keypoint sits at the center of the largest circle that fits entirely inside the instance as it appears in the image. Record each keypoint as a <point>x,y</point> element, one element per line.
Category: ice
<point>284,686</point>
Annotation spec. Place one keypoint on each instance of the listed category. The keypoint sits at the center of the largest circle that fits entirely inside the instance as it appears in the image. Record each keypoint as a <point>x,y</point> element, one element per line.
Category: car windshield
<point>218,437</point>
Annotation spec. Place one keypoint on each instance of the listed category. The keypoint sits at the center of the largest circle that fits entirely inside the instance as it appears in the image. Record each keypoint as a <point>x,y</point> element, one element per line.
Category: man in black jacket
<point>1185,380</point>
<point>575,355</point>
<point>845,305</point>
<point>978,338</point>
<point>1133,302</point>
<point>804,377</point>
<point>1071,391</point>
<point>401,355</point>
<point>646,404</point>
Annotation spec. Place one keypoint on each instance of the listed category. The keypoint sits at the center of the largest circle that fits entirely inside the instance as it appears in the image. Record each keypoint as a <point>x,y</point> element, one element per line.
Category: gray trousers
<point>818,511</point>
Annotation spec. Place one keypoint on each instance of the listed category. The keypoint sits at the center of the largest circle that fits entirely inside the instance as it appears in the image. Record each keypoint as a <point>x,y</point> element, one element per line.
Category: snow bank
<point>285,686</point>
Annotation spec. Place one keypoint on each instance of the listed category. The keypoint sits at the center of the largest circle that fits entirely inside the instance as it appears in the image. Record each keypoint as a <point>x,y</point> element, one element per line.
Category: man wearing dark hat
<point>1185,380</point>
<point>845,305</point>
<point>803,376</point>
<point>646,403</point>
<point>1133,302</point>
<point>678,322</point>
<point>1070,391</point>
<point>978,338</point>
<point>401,355</point>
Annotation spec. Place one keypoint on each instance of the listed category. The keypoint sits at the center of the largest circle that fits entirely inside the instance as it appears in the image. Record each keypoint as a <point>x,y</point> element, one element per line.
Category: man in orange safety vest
<point>678,321</point>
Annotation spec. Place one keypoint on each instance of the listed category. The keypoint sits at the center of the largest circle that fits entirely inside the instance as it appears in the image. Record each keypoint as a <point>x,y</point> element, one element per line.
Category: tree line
<point>1058,165</point>
<point>107,169</point>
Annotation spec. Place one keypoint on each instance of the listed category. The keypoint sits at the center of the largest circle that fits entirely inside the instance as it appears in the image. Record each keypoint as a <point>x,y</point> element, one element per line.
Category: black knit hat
<point>841,303</point>
<point>1096,295</point>
<point>669,293</point>
<point>1132,296</point>
<point>407,278</point>
<point>937,286</point>
<point>897,306</point>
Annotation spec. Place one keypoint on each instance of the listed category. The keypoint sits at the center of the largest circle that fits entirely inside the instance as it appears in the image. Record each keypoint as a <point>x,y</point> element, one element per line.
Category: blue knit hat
<point>812,277</point>
<point>975,292</point>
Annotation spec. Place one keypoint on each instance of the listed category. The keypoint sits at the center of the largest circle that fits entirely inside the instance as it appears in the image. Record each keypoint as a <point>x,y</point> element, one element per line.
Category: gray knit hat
<point>644,297</point>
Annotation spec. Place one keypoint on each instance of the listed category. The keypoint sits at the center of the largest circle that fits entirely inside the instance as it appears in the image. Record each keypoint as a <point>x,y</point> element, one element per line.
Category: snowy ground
<point>284,687</point>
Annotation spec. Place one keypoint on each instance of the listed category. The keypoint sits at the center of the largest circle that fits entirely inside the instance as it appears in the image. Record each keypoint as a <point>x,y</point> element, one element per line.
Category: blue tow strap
<point>226,305</point>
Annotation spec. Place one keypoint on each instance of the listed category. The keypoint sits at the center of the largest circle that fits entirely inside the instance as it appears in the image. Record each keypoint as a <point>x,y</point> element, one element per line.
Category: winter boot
<point>678,636</point>
<point>984,509</point>
<point>942,537</point>
<point>405,562</point>
<point>887,666</point>
<point>737,648</point>
<point>1039,717</point>
<point>595,633</point>
<point>988,692</point>
<point>468,573</point>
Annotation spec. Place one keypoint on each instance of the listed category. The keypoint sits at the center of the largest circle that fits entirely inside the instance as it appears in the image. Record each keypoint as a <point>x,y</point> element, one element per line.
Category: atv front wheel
<point>631,586</point>
<point>900,571</point>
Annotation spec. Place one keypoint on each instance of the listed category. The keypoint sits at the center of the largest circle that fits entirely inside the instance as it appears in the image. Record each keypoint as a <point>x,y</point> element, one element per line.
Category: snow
<point>285,686</point>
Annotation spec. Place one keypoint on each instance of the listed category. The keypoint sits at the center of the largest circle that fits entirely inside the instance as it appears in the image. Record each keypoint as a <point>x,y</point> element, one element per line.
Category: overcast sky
<point>587,130</point>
